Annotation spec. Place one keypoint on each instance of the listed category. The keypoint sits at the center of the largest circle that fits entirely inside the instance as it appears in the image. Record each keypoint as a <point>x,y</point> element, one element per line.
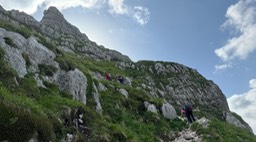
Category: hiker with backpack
<point>121,79</point>
<point>188,111</point>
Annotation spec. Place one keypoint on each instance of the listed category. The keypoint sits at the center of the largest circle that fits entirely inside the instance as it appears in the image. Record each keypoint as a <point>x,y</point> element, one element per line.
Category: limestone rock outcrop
<point>168,111</point>
<point>58,30</point>
<point>74,81</point>
<point>230,118</point>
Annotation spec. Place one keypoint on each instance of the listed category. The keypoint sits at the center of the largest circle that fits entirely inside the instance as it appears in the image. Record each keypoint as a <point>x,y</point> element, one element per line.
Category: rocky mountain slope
<point>53,88</point>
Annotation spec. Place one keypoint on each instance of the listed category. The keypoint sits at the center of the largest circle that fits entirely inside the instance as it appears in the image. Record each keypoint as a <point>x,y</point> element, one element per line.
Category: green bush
<point>10,42</point>
<point>66,65</point>
<point>19,29</point>
<point>7,73</point>
<point>28,86</point>
<point>14,124</point>
<point>47,69</point>
<point>41,39</point>
<point>21,118</point>
<point>223,132</point>
<point>18,124</point>
<point>2,53</point>
<point>24,31</point>
<point>66,94</point>
<point>26,57</point>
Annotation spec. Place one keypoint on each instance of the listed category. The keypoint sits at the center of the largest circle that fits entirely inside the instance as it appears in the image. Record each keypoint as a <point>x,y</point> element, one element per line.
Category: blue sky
<point>216,37</point>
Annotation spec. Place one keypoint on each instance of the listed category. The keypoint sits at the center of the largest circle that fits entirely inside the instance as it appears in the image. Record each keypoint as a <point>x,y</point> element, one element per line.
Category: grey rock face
<point>207,95</point>
<point>96,97</point>
<point>64,34</point>
<point>178,83</point>
<point>17,17</point>
<point>150,107</point>
<point>39,82</point>
<point>36,52</point>
<point>13,55</point>
<point>233,120</point>
<point>204,122</point>
<point>124,65</point>
<point>160,68</point>
<point>188,135</point>
<point>74,82</point>
<point>97,75</point>
<point>101,87</point>
<point>54,25</point>
<point>91,49</point>
<point>128,81</point>
<point>168,111</point>
<point>124,92</point>
<point>39,54</point>
<point>24,18</point>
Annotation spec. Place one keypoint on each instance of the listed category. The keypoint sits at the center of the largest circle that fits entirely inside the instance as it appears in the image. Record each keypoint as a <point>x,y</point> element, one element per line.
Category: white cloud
<point>117,7</point>
<point>64,4</point>
<point>222,67</point>
<point>245,105</point>
<point>30,6</point>
<point>141,15</point>
<point>241,18</point>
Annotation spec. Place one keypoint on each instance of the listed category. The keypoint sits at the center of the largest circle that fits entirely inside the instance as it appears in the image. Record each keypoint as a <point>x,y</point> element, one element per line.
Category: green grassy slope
<point>27,111</point>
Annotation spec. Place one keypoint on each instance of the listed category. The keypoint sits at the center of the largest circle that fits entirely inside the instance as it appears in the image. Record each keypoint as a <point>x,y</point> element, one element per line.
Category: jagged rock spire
<point>55,25</point>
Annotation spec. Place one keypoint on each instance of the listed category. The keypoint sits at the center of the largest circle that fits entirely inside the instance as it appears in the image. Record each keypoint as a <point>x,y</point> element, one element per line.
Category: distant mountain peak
<point>53,12</point>
<point>55,25</point>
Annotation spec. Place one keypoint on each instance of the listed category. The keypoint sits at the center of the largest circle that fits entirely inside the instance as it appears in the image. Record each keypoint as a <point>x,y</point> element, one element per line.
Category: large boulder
<point>168,111</point>
<point>74,81</point>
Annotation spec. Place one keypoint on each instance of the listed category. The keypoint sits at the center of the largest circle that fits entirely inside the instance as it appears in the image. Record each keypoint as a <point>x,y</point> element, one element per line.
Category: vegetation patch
<point>7,74</point>
<point>48,70</point>
<point>19,29</point>
<point>10,42</point>
<point>130,121</point>
<point>223,132</point>
<point>21,118</point>
<point>27,110</point>
<point>26,57</point>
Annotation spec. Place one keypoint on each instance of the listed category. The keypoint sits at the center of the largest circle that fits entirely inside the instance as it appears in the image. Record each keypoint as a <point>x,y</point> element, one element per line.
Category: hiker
<point>120,79</point>
<point>108,76</point>
<point>188,111</point>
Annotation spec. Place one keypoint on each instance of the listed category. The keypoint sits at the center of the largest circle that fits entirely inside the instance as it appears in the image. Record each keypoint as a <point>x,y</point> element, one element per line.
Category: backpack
<point>187,108</point>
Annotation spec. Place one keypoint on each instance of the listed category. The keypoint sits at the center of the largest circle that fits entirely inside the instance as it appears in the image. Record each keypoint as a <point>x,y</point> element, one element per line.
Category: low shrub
<point>18,124</point>
<point>10,42</point>
<point>47,69</point>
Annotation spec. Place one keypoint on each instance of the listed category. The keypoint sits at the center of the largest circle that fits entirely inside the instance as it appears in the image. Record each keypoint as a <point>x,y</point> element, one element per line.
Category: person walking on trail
<point>188,111</point>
